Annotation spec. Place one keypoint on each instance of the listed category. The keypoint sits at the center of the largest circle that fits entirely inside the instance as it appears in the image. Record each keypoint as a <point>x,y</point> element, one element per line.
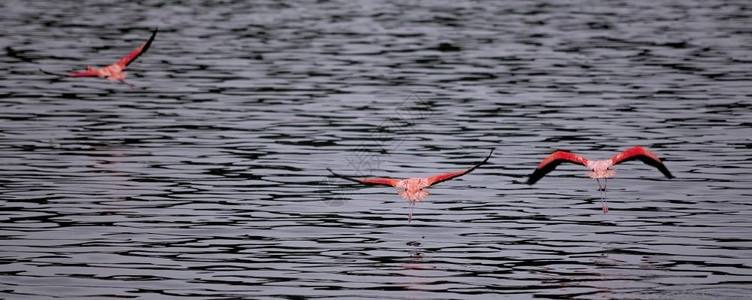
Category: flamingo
<point>113,72</point>
<point>412,189</point>
<point>601,169</point>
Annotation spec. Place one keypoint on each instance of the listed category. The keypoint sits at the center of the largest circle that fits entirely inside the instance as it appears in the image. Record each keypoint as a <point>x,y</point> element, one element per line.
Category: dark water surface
<point>209,179</point>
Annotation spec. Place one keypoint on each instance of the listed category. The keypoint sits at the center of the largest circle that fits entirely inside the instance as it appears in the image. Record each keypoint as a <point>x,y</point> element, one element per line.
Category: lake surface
<point>209,181</point>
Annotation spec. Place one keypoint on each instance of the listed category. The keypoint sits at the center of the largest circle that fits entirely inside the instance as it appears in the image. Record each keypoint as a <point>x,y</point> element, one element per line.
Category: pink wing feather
<point>644,155</point>
<point>444,177</point>
<point>126,60</point>
<point>87,73</point>
<point>92,73</point>
<point>552,161</point>
<point>369,181</point>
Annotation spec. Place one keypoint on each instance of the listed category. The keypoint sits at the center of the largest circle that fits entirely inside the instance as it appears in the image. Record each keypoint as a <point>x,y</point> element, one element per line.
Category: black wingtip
<point>657,164</point>
<point>340,176</point>
<point>484,160</point>
<point>489,155</point>
<point>151,38</point>
<point>666,172</point>
<point>662,167</point>
<point>533,178</point>
<point>52,73</point>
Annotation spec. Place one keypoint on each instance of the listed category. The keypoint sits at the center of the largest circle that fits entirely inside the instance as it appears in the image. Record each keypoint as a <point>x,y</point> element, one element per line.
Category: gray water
<point>208,180</point>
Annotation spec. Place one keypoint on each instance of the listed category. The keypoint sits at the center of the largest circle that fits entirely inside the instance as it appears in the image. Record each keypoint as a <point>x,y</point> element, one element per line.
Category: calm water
<point>209,179</point>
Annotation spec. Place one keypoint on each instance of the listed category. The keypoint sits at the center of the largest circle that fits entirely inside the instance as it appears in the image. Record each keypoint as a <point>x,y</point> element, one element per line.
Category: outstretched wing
<point>444,177</point>
<point>88,73</point>
<point>126,60</point>
<point>644,155</point>
<point>74,74</point>
<point>369,181</point>
<point>552,161</point>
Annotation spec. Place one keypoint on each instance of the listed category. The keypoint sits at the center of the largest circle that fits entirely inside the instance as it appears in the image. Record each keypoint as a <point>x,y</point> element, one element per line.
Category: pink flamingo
<point>601,169</point>
<point>113,72</point>
<point>413,189</point>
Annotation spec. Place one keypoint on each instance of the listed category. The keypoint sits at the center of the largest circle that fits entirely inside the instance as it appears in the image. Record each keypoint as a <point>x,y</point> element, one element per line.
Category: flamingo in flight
<point>113,72</point>
<point>601,169</point>
<point>412,189</point>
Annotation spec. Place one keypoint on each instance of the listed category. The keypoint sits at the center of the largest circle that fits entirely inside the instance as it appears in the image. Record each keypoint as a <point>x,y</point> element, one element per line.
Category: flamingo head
<point>413,189</point>
<point>601,169</point>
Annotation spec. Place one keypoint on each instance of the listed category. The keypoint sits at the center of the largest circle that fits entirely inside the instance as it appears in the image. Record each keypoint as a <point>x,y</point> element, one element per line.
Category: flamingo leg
<point>602,190</point>
<point>130,85</point>
<point>604,201</point>
<point>410,216</point>
<point>600,187</point>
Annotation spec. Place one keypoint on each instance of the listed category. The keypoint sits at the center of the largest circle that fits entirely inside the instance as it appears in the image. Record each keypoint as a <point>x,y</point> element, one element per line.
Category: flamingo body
<point>113,72</point>
<point>413,189</point>
<point>599,169</point>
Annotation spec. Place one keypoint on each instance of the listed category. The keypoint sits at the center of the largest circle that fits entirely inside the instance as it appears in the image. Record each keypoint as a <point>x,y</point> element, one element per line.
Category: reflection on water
<point>209,179</point>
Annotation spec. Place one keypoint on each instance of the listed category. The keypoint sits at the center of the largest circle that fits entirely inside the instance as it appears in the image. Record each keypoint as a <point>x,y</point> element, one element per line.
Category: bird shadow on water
<point>414,265</point>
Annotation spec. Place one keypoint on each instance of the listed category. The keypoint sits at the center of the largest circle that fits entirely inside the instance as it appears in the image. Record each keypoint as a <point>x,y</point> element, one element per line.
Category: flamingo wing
<point>88,73</point>
<point>644,155</point>
<point>369,181</point>
<point>444,177</point>
<point>552,161</point>
<point>74,74</point>
<point>53,73</point>
<point>126,60</point>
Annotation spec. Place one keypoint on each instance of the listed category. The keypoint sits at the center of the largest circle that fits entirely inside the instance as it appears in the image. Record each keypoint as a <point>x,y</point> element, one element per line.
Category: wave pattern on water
<point>208,180</point>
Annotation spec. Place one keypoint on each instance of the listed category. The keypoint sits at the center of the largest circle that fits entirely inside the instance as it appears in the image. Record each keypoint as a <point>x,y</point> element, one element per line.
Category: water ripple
<point>209,179</point>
